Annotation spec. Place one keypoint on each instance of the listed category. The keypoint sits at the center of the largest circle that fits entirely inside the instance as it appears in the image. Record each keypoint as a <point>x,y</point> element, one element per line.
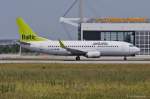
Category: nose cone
<point>136,50</point>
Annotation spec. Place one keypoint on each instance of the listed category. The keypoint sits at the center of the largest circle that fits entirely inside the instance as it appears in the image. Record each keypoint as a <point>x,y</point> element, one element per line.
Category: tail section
<point>26,33</point>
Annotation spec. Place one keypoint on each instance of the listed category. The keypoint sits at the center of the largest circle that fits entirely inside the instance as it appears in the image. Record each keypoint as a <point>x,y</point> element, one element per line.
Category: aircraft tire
<point>77,58</point>
<point>125,58</point>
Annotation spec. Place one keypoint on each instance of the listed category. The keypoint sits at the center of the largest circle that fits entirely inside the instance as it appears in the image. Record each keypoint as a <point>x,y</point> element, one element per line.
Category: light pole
<point>81,18</point>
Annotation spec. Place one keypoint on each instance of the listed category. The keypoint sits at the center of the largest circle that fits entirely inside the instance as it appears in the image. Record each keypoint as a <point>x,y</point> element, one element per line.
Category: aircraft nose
<point>134,50</point>
<point>137,50</point>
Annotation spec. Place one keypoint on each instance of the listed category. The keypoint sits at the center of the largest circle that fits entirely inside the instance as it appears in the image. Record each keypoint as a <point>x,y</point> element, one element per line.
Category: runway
<point>44,59</point>
<point>72,62</point>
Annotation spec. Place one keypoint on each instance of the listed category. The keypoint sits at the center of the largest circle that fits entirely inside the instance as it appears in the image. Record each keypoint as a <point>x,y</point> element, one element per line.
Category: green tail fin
<point>26,33</point>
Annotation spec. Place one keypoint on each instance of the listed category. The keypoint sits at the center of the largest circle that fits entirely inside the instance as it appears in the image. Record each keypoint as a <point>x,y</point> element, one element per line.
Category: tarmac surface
<point>71,60</point>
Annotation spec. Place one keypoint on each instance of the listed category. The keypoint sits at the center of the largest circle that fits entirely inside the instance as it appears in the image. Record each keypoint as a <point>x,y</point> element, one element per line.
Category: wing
<point>73,51</point>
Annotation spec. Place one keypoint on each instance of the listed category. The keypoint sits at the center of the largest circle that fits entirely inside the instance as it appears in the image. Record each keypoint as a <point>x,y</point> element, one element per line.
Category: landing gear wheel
<point>125,58</point>
<point>78,58</point>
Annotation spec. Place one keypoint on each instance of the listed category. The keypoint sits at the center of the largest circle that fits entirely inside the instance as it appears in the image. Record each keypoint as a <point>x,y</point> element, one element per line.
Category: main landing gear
<point>77,58</point>
<point>125,58</point>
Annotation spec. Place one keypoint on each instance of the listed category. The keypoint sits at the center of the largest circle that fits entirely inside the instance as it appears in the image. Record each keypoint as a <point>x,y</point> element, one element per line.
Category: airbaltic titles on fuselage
<point>100,43</point>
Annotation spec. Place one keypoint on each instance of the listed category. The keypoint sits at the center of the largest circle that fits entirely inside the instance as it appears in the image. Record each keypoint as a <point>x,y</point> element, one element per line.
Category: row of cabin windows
<point>84,46</point>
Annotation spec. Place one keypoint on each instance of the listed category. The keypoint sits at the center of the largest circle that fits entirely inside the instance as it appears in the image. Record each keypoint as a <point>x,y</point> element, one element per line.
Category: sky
<point>43,15</point>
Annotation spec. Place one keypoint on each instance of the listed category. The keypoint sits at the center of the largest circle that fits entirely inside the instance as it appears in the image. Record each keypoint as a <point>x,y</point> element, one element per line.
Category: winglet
<point>61,44</point>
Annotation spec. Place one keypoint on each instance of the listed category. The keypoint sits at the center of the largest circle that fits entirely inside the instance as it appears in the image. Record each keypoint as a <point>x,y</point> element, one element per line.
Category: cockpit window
<point>131,45</point>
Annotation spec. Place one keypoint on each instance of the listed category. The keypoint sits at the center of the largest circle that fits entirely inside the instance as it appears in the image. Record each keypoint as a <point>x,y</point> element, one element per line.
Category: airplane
<point>89,49</point>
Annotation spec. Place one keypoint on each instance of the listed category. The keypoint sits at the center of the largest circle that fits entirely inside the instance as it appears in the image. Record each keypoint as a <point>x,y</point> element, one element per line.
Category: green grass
<point>74,81</point>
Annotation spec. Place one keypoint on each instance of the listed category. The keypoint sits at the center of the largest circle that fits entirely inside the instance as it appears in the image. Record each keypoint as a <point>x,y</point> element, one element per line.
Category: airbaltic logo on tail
<point>28,37</point>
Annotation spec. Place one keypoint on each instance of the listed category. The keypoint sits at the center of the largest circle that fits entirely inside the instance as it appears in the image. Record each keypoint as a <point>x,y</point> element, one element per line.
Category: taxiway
<point>71,60</point>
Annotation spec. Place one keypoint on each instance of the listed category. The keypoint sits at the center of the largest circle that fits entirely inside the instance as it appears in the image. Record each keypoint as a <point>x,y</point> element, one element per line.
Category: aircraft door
<point>125,50</point>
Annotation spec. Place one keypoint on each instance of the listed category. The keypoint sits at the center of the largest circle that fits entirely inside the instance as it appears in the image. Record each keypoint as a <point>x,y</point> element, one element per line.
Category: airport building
<point>132,30</point>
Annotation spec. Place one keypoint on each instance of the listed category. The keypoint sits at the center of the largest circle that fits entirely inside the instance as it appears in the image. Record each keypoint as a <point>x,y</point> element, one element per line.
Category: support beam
<point>81,11</point>
<point>81,18</point>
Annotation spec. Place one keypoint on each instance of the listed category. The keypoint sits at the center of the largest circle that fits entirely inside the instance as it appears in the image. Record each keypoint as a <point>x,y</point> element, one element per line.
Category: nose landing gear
<point>77,58</point>
<point>125,58</point>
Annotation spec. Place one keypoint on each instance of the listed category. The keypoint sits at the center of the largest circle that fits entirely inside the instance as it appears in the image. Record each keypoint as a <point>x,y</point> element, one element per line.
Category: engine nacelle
<point>93,54</point>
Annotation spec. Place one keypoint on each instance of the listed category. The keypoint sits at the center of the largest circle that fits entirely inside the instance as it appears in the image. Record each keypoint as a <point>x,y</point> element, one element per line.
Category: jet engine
<point>93,54</point>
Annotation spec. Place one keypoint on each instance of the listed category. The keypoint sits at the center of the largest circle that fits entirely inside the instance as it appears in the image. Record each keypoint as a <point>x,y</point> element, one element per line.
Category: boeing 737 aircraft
<point>90,49</point>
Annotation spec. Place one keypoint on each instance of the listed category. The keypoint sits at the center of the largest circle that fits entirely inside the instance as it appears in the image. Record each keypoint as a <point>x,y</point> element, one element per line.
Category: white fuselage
<point>105,48</point>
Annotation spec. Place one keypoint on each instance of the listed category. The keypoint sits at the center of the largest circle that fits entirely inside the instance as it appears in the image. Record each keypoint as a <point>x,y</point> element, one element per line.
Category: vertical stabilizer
<point>26,33</point>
